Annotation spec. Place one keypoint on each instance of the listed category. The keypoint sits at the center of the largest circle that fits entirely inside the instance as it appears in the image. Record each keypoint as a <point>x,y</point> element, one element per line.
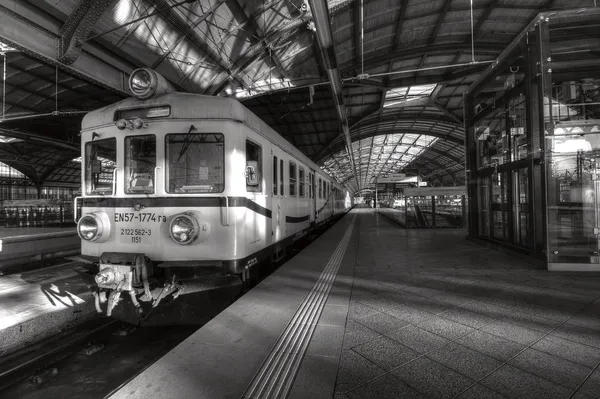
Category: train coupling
<point>127,274</point>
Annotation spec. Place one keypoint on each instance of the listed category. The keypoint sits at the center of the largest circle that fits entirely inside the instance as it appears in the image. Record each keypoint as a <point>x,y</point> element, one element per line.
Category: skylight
<point>5,48</point>
<point>260,87</point>
<point>6,140</point>
<point>377,156</point>
<point>401,95</point>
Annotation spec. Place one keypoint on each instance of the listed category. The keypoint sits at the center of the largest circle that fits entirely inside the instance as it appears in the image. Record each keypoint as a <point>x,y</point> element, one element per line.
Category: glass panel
<point>499,209</point>
<point>419,212</point>
<point>301,179</point>
<point>100,158</point>
<point>195,163</point>
<point>522,204</point>
<point>292,179</point>
<point>449,211</point>
<point>519,146</point>
<point>281,170</point>
<point>253,155</point>
<point>140,161</point>
<point>484,206</point>
<point>320,188</point>
<point>274,175</point>
<point>573,188</point>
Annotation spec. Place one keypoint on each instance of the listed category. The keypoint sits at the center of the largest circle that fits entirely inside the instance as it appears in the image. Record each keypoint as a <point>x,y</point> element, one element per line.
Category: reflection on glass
<point>499,207</point>
<point>484,204</point>
<point>573,188</point>
<point>140,161</point>
<point>100,159</point>
<point>449,211</point>
<point>195,163</point>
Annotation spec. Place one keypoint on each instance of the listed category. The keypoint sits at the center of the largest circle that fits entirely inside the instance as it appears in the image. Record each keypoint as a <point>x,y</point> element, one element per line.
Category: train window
<point>293,179</point>
<point>253,167</point>
<point>281,170</point>
<point>140,162</point>
<point>311,185</point>
<point>320,188</point>
<point>100,162</point>
<point>195,162</point>
<point>274,175</point>
<point>301,180</point>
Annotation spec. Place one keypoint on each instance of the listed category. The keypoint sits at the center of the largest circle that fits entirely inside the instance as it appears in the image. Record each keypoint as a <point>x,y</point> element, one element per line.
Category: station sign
<point>398,178</point>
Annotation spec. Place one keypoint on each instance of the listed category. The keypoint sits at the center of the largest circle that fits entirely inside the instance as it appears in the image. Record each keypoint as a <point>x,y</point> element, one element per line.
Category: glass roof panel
<point>4,139</point>
<point>401,95</point>
<point>377,156</point>
<point>5,48</point>
<point>6,170</point>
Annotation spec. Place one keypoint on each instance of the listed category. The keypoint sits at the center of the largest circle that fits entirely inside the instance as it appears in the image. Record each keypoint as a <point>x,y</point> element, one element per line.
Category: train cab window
<point>293,179</point>
<point>274,175</point>
<point>281,170</point>
<point>195,163</point>
<point>99,164</point>
<point>140,162</point>
<point>253,167</point>
<point>301,181</point>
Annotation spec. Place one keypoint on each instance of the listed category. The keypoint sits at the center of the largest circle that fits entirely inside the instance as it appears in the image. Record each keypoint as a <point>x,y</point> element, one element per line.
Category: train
<point>183,193</point>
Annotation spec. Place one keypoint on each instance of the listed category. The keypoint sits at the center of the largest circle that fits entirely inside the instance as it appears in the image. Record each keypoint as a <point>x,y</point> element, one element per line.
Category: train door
<point>276,201</point>
<point>278,189</point>
<point>256,226</point>
<point>312,200</point>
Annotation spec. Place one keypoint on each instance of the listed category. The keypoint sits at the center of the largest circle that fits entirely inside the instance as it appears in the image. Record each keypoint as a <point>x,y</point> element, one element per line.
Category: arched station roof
<point>401,67</point>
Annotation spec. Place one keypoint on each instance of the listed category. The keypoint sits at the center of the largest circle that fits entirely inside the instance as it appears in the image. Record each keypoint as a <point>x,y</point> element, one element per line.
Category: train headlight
<point>145,83</point>
<point>94,227</point>
<point>142,83</point>
<point>184,228</point>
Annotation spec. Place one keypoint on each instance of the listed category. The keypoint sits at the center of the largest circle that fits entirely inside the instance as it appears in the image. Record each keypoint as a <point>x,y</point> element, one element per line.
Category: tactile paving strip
<point>275,376</point>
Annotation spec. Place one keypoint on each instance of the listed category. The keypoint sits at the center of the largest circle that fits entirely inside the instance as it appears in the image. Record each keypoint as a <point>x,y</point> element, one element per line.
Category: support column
<point>538,87</point>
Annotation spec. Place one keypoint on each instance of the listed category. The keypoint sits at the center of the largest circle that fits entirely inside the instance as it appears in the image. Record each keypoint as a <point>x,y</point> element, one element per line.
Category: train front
<point>150,215</point>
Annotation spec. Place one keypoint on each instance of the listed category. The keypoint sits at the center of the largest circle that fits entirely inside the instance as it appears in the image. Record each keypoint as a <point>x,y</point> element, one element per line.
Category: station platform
<point>28,245</point>
<point>40,303</point>
<point>371,310</point>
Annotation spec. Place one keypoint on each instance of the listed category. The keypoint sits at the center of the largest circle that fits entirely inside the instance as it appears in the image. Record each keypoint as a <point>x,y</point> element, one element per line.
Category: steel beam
<point>440,21</point>
<point>417,51</point>
<point>78,26</point>
<point>52,142</point>
<point>400,24</point>
<point>18,31</point>
<point>325,37</point>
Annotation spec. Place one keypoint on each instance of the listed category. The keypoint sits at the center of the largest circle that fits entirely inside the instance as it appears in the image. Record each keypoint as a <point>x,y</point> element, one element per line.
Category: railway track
<point>89,362</point>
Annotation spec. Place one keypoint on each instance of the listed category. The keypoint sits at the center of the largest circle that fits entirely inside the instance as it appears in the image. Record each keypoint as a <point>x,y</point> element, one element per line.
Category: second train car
<point>181,191</point>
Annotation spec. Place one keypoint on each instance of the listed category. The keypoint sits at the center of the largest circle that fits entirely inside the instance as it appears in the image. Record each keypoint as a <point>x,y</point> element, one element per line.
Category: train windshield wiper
<point>186,143</point>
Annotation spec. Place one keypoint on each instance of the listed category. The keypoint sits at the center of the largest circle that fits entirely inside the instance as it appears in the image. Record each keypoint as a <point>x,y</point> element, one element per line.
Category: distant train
<point>181,191</point>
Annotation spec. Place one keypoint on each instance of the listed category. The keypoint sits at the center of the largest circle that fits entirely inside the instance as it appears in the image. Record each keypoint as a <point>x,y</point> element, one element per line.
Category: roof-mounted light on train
<point>142,83</point>
<point>121,124</point>
<point>184,228</point>
<point>145,83</point>
<point>139,123</point>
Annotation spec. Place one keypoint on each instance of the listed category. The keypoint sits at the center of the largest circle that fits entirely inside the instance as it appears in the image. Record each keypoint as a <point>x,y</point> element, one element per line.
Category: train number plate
<point>135,236</point>
<point>139,217</point>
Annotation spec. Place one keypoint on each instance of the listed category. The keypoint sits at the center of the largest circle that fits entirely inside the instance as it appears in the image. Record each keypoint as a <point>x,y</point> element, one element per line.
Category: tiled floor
<point>432,315</point>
